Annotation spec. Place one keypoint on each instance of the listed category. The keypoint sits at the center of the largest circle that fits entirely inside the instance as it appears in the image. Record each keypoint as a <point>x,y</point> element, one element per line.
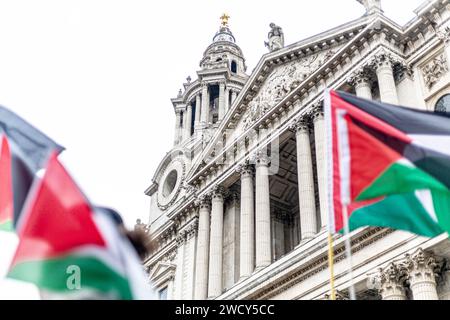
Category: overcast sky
<point>97,76</point>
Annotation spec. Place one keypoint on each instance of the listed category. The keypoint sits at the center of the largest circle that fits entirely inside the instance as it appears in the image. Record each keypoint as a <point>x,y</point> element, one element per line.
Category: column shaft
<point>262,213</point>
<point>188,123</point>
<point>221,100</point>
<point>386,81</point>
<point>227,99</point>
<point>233,96</point>
<point>363,90</point>
<point>319,138</point>
<point>177,127</point>
<point>216,247</point>
<point>424,290</point>
<point>201,272</point>
<point>198,111</point>
<point>205,105</point>
<point>247,237</point>
<point>307,203</point>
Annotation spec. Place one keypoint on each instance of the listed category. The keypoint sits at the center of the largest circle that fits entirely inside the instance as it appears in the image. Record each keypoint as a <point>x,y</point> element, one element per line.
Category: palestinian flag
<point>68,248</point>
<point>389,165</point>
<point>6,197</point>
<point>24,152</point>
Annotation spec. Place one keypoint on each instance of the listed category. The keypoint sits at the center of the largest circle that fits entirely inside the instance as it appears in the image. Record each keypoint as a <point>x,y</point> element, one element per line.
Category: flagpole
<point>331,265</point>
<point>348,251</point>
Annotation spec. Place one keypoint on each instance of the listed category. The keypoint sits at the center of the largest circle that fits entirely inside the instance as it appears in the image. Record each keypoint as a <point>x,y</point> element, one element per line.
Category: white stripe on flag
<point>436,143</point>
<point>426,199</point>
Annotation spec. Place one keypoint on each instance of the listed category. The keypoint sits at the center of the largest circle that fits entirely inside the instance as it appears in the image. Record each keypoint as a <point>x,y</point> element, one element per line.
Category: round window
<point>443,104</point>
<point>170,183</point>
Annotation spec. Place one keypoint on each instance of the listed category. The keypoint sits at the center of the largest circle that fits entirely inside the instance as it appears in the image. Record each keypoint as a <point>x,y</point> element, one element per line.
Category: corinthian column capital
<point>421,266</point>
<point>383,59</point>
<point>261,159</point>
<point>300,125</point>
<point>203,202</point>
<point>390,282</point>
<point>245,170</point>
<point>317,111</point>
<point>218,193</point>
<point>359,78</point>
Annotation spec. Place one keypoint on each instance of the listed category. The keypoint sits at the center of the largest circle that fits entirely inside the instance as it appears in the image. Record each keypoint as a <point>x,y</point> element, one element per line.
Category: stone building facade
<point>238,206</point>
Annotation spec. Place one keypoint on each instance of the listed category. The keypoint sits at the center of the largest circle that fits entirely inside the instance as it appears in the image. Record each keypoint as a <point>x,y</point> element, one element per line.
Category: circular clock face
<point>170,184</point>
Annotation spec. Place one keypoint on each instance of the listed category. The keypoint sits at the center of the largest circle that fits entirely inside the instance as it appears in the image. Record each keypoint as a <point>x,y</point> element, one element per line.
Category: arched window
<point>233,66</point>
<point>443,104</point>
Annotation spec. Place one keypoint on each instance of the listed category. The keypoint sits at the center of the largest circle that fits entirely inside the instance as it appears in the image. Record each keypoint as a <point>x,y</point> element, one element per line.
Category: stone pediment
<point>280,82</point>
<point>162,270</point>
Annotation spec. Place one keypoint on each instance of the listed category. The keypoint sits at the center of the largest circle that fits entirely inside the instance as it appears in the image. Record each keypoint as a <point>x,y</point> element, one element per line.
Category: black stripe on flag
<point>410,121</point>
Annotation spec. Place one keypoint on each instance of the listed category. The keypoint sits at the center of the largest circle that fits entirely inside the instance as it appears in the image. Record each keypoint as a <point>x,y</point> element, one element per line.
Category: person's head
<point>138,237</point>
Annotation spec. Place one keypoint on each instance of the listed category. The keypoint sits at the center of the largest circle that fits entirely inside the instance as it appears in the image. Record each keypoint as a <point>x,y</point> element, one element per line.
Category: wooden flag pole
<point>348,251</point>
<point>331,265</point>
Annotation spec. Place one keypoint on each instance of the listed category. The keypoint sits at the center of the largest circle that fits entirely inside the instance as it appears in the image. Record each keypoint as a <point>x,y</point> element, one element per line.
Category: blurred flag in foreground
<point>388,166</point>
<point>24,150</point>
<point>69,248</point>
<point>6,196</point>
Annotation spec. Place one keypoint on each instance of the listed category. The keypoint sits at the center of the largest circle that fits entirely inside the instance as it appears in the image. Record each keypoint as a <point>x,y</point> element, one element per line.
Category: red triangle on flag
<point>57,219</point>
<point>6,194</point>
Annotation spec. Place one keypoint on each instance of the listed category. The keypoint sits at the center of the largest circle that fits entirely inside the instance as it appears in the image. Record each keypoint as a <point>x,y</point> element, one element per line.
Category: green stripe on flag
<point>402,212</point>
<point>400,178</point>
<point>6,226</point>
<point>53,275</point>
<point>441,202</point>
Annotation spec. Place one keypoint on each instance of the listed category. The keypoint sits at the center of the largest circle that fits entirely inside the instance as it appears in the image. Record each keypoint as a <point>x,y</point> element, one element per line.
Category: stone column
<point>262,212</point>
<point>216,245</point>
<point>198,112</point>
<point>231,236</point>
<point>177,126</point>
<point>233,96</point>
<point>205,105</point>
<point>307,202</point>
<point>201,271</point>
<point>221,100</point>
<point>188,122</point>
<point>361,81</point>
<point>421,268</point>
<point>319,138</point>
<point>227,99</point>
<point>383,65</point>
<point>247,237</point>
<point>391,283</point>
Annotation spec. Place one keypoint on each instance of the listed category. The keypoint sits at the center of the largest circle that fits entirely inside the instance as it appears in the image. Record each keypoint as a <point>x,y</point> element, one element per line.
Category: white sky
<point>97,76</point>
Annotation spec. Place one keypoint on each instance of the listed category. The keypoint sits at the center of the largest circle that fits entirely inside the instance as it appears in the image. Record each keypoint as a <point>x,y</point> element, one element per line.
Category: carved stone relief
<point>434,70</point>
<point>281,82</point>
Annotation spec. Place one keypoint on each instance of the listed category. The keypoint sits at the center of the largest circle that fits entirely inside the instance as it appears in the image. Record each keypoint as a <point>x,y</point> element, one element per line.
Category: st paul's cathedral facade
<point>239,205</point>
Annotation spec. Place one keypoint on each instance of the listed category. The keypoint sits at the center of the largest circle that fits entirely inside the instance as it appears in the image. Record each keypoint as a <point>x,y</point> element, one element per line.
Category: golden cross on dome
<point>224,19</point>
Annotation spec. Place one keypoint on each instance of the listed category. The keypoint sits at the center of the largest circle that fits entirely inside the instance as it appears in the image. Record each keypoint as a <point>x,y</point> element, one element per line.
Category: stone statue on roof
<point>276,38</point>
